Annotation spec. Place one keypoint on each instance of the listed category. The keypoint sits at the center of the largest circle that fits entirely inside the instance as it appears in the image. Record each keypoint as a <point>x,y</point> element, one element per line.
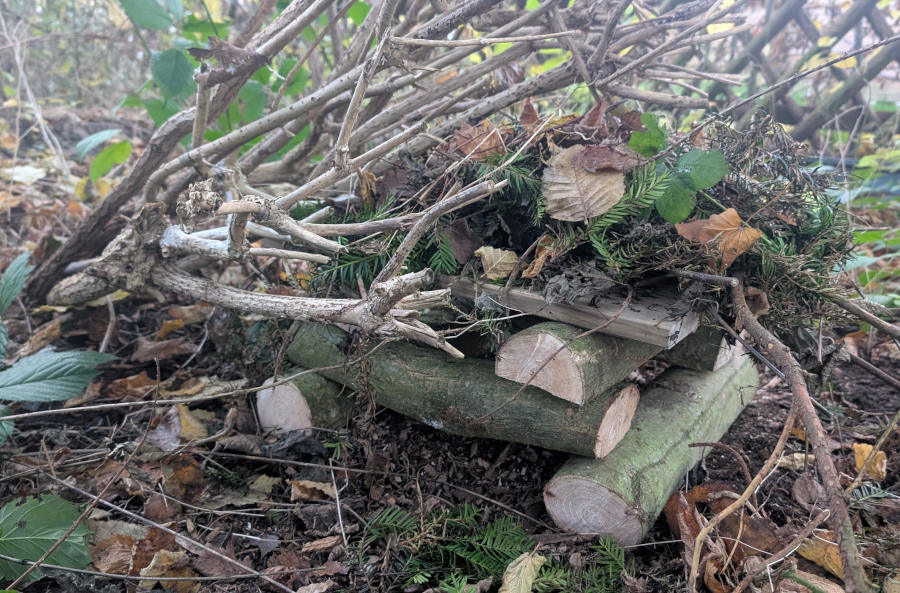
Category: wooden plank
<point>653,319</point>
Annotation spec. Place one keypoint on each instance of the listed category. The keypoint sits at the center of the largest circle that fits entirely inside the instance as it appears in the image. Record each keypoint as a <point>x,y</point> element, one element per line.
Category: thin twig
<point>480,41</point>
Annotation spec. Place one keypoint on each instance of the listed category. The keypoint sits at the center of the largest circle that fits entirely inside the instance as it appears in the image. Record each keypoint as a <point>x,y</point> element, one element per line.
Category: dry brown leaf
<point>757,301</point>
<point>821,549</point>
<point>325,543</point>
<point>543,252</point>
<point>41,338</point>
<point>808,492</point>
<point>726,231</point>
<point>134,387</point>
<point>620,158</point>
<point>463,242</point>
<point>148,350</point>
<point>796,461</point>
<point>170,564</point>
<point>169,326</point>
<point>317,587</point>
<point>877,466</point>
<point>521,572</point>
<point>182,477</point>
<point>192,428</point>
<point>113,554</point>
<point>528,117</point>
<point>367,188</point>
<point>309,490</point>
<point>478,142</point>
<point>191,314</point>
<point>573,193</point>
<point>8,201</point>
<point>594,119</point>
<point>498,264</point>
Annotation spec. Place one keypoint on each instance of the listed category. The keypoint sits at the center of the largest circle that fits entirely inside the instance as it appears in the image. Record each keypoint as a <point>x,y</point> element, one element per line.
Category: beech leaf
<point>572,193</point>
<point>726,230</point>
<point>521,572</point>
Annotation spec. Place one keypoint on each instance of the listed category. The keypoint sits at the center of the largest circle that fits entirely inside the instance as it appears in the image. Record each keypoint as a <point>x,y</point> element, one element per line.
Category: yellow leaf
<point>192,429</point>
<point>8,141</point>
<point>521,572</point>
<point>498,264</point>
<point>719,28</point>
<point>103,186</point>
<point>877,466</point>
<point>118,295</point>
<point>821,549</point>
<point>7,201</point>
<point>626,50</point>
<point>168,326</point>
<point>81,188</point>
<point>844,64</point>
<point>825,41</point>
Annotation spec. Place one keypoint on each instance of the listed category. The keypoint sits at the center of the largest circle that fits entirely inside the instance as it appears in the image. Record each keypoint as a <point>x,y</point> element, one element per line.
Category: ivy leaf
<point>652,141</point>
<point>93,141</point>
<point>112,155</point>
<point>28,528</point>
<point>704,168</point>
<point>13,280</point>
<point>147,13</point>
<point>50,376</point>
<point>678,201</point>
<point>172,71</point>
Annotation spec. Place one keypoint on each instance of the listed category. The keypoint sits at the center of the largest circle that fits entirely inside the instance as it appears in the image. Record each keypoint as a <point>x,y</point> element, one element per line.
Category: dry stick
<point>559,25</point>
<point>551,357</point>
<point>851,307</point>
<point>599,55</point>
<point>785,551</point>
<point>481,41</point>
<point>463,198</point>
<point>342,146</point>
<point>737,456</point>
<point>90,507</point>
<point>878,444</point>
<point>744,497</point>
<point>223,557</point>
<point>202,113</point>
<point>855,576</point>
<point>893,382</point>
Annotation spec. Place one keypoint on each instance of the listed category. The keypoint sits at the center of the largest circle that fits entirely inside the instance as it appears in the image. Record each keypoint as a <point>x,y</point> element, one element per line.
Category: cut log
<point>622,494</point>
<point>706,349</point>
<point>658,320</point>
<point>454,395</point>
<point>573,370</point>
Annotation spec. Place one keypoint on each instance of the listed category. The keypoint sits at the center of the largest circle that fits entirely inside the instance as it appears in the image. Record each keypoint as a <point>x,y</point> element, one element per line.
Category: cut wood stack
<point>557,386</point>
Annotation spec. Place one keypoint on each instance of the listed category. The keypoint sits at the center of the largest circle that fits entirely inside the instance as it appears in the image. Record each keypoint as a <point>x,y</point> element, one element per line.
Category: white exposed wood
<point>659,320</point>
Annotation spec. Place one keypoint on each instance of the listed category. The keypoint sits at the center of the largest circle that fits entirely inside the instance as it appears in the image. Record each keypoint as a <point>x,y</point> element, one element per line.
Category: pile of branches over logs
<point>457,196</point>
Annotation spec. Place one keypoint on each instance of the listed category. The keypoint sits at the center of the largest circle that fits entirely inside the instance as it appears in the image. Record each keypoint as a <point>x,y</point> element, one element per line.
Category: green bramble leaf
<point>358,12</point>
<point>652,141</point>
<point>678,201</point>
<point>13,280</point>
<point>147,13</point>
<point>114,154</point>
<point>172,71</point>
<point>30,527</point>
<point>93,141</point>
<point>704,168</point>
<point>50,376</point>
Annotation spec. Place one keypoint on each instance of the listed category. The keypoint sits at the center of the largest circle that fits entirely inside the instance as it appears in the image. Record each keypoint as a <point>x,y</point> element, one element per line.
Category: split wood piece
<point>573,370</point>
<point>622,494</point>
<point>452,395</point>
<point>706,349</point>
<point>660,320</point>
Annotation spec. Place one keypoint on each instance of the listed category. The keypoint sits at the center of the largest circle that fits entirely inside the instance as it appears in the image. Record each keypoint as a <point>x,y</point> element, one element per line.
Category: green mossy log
<point>622,494</point>
<point>453,395</point>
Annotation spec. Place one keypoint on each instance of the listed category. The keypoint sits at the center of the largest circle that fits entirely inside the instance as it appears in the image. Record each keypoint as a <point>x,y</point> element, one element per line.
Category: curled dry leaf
<point>618,157</point>
<point>113,554</point>
<point>726,231</point>
<point>309,490</point>
<point>572,193</point>
<point>498,264</point>
<point>544,251</point>
<point>528,117</point>
<point>821,549</point>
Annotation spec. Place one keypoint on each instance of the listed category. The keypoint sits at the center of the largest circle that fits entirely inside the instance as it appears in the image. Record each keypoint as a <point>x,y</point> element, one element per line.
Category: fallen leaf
<point>821,549</point>
<point>210,565</point>
<point>528,117</point>
<point>808,492</point>
<point>191,314</point>
<point>170,564</point>
<point>877,466</point>
<point>317,587</point>
<point>41,338</point>
<point>133,387</point>
<point>325,543</point>
<point>169,326</point>
<point>148,350</point>
<point>113,554</point>
<point>796,461</point>
<point>182,477</point>
<point>594,119</point>
<point>521,572</point>
<point>478,142</point>
<point>24,174</point>
<point>573,194</point>
<point>463,242</point>
<point>158,508</point>
<point>192,428</point>
<point>820,584</point>
<point>309,490</point>
<point>263,485</point>
<point>542,253</point>
<point>757,301</point>
<point>498,264</point>
<point>283,408</point>
<point>726,231</point>
<point>145,549</point>
<point>8,201</point>
<point>367,187</point>
<point>620,158</point>
<point>165,430</point>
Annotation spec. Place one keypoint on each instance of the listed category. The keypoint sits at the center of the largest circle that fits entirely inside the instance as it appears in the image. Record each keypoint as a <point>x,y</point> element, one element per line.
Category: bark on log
<point>704,350</point>
<point>548,356</point>
<point>622,494</point>
<point>452,394</point>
